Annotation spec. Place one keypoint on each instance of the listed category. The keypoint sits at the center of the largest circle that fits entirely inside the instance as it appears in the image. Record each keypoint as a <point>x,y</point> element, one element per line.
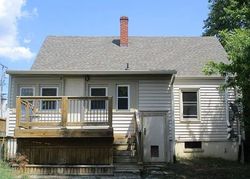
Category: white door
<point>154,136</point>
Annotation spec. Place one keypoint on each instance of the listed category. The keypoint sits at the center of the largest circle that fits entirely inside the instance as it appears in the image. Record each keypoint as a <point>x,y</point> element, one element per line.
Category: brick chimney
<point>124,31</point>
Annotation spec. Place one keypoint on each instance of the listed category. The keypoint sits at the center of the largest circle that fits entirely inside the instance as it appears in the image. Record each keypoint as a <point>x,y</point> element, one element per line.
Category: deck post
<point>110,109</point>
<point>18,111</point>
<point>64,111</point>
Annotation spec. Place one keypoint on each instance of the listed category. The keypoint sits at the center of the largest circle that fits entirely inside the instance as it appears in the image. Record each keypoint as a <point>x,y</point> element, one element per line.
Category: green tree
<point>229,20</point>
<point>227,15</point>
<point>237,46</point>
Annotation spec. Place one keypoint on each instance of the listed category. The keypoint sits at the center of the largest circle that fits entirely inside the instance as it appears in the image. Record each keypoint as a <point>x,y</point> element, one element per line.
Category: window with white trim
<point>27,91</point>
<point>98,91</point>
<point>122,97</point>
<point>49,104</point>
<point>190,104</point>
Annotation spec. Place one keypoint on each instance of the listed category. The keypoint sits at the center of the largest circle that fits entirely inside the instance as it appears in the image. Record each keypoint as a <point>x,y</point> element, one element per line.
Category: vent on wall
<point>154,151</point>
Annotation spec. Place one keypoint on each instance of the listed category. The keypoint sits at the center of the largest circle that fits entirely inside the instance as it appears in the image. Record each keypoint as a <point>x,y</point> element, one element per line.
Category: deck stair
<point>124,155</point>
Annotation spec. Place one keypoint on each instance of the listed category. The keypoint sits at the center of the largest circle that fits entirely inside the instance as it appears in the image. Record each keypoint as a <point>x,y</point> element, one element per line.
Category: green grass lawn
<point>6,172</point>
<point>208,168</point>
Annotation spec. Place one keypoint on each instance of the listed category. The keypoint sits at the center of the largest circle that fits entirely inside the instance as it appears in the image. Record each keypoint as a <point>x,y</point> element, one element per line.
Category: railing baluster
<point>27,114</point>
<point>49,110</point>
<point>18,111</point>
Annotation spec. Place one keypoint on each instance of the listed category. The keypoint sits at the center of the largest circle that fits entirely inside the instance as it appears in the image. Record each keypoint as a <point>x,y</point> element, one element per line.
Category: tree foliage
<point>227,15</point>
<point>230,21</point>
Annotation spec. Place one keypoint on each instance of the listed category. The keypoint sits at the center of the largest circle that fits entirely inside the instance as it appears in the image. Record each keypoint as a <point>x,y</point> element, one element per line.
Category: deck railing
<point>63,111</point>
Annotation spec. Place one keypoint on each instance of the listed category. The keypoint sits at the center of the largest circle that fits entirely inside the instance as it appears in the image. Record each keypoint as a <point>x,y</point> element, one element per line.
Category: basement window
<point>193,145</point>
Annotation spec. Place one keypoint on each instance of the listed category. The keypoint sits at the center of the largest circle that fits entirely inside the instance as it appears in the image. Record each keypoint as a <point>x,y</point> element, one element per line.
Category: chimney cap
<point>123,18</point>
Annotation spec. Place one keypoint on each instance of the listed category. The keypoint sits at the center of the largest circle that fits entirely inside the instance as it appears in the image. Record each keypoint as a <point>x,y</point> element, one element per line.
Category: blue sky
<point>25,24</point>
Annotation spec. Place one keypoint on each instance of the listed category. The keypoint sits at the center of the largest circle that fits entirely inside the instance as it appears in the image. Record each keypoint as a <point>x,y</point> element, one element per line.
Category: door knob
<point>144,131</point>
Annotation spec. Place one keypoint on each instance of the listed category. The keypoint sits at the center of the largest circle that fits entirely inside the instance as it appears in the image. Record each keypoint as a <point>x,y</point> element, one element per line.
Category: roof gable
<point>187,55</point>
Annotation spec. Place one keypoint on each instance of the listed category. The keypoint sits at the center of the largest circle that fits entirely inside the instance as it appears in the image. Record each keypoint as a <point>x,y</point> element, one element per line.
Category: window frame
<point>41,94</point>
<point>98,87</point>
<point>197,90</point>
<point>20,91</point>
<point>117,97</point>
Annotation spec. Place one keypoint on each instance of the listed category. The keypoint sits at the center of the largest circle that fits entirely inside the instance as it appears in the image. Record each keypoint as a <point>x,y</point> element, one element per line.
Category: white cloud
<point>10,12</point>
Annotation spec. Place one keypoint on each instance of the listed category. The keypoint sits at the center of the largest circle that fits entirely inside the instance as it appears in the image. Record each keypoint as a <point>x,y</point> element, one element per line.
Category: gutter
<point>172,155</point>
<point>124,72</point>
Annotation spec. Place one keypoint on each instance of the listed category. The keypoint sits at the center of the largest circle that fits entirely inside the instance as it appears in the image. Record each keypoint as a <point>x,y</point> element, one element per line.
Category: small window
<point>26,91</point>
<point>193,145</point>
<point>49,104</point>
<point>98,91</point>
<point>190,105</point>
<point>122,97</point>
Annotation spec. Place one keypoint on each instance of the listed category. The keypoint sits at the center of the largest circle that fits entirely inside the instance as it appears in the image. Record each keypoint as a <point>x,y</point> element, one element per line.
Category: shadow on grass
<point>208,168</point>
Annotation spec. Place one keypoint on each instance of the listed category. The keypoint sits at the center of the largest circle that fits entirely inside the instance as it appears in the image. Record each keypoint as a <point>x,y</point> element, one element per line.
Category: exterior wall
<point>155,95</point>
<point>220,149</point>
<point>78,86</point>
<point>211,128</point>
<point>74,86</point>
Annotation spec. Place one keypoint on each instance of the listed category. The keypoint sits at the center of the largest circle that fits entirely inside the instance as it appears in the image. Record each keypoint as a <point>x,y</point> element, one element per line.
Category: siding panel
<point>212,125</point>
<point>155,95</point>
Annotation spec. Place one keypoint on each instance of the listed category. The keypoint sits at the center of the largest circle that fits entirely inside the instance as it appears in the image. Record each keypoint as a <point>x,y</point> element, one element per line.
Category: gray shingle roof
<point>187,55</point>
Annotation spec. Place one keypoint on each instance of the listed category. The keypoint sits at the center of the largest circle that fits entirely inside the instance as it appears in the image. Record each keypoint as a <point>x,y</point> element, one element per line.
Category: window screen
<point>190,104</point>
<point>123,97</point>
<point>27,92</point>
<point>98,104</point>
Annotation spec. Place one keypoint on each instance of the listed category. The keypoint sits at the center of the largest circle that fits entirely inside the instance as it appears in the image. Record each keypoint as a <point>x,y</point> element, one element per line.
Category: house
<point>91,103</point>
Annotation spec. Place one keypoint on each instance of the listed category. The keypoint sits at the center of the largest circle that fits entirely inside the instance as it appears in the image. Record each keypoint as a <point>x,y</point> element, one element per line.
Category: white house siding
<point>211,128</point>
<point>212,125</point>
<point>155,95</point>
<point>11,123</point>
<point>123,123</point>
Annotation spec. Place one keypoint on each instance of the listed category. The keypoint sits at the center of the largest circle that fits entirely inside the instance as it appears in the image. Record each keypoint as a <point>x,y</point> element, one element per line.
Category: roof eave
<point>126,72</point>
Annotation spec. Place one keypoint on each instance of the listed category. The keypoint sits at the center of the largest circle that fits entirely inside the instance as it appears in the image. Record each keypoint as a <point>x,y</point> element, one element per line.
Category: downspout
<point>227,110</point>
<point>172,158</point>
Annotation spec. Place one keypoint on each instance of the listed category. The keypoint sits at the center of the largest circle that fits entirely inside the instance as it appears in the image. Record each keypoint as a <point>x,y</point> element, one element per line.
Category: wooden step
<point>122,153</point>
<point>127,168</point>
<point>124,159</point>
<point>121,147</point>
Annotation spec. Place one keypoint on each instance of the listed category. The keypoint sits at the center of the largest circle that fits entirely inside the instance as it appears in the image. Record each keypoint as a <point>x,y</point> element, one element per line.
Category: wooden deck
<point>47,116</point>
<point>2,127</point>
<point>69,170</point>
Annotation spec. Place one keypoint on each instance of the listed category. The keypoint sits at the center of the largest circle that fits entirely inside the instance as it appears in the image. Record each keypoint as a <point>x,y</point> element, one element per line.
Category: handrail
<point>60,97</point>
<point>138,138</point>
<point>63,110</point>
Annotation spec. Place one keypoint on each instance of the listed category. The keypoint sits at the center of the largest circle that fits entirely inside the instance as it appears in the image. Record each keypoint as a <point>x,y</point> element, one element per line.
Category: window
<point>193,145</point>
<point>98,91</point>
<point>27,91</point>
<point>122,97</point>
<point>49,104</point>
<point>190,105</point>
